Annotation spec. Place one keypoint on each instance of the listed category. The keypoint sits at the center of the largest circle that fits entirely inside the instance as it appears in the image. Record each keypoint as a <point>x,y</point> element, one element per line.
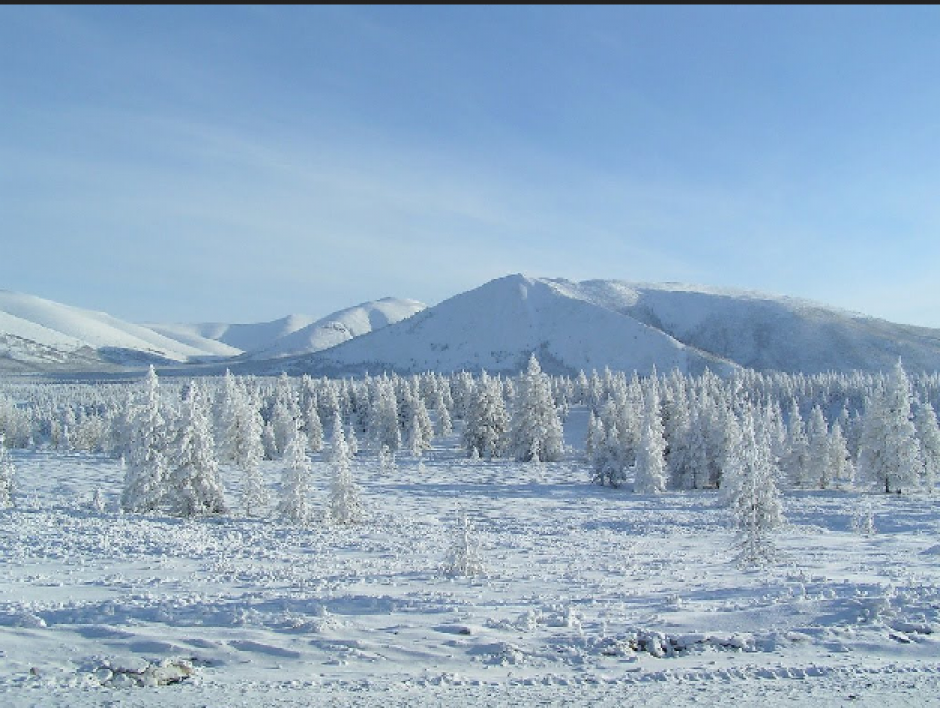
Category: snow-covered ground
<point>591,596</point>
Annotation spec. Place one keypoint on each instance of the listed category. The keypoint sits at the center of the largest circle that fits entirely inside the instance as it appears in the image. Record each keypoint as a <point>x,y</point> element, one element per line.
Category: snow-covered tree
<point>268,441</point>
<point>345,504</point>
<point>889,455</point>
<point>928,432</point>
<point>145,477</point>
<point>535,425</point>
<point>313,427</point>
<point>463,558</point>
<point>818,460</point>
<point>750,492</point>
<point>352,442</point>
<point>444,425</point>
<point>650,465</point>
<point>96,503</point>
<point>863,519</point>
<point>194,485</point>
<point>595,430</point>
<point>607,458</point>
<point>248,453</point>
<point>697,464</point>
<point>283,424</point>
<point>386,459</point>
<point>7,475</point>
<point>677,429</point>
<point>487,423</point>
<point>796,459</point>
<point>840,464</point>
<point>294,505</point>
<point>226,422</point>
<point>383,425</point>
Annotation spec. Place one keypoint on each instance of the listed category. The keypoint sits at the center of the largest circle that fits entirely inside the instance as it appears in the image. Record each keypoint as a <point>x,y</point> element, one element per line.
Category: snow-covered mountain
<point>765,332</point>
<point>295,334</point>
<point>598,323</point>
<point>568,325</point>
<point>39,334</point>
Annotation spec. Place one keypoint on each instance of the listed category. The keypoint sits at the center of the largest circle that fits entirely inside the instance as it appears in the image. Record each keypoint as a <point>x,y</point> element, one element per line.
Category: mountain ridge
<point>629,326</point>
<point>569,325</point>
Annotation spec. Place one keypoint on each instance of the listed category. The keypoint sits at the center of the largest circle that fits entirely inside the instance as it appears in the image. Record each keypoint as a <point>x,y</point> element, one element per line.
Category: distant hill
<point>627,326</point>
<point>39,335</point>
<point>568,325</point>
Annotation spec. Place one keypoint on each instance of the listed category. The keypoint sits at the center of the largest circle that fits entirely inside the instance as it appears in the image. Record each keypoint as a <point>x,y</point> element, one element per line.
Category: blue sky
<point>243,163</point>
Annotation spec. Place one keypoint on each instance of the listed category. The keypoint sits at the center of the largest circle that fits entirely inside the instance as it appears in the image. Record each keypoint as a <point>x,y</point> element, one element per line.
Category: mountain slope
<point>340,327</point>
<point>292,335</point>
<point>568,325</point>
<point>36,332</point>
<point>496,326</point>
<point>235,339</point>
<point>766,332</point>
<point>629,326</point>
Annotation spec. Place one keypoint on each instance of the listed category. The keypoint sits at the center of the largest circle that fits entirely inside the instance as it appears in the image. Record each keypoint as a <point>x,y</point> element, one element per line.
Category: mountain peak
<point>569,326</point>
<point>627,326</point>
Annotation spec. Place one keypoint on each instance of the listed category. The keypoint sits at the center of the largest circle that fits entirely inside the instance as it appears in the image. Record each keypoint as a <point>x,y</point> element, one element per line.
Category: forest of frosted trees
<point>750,431</point>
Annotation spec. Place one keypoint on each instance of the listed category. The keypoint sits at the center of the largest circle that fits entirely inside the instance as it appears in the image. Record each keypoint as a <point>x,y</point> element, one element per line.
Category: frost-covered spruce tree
<point>285,414</point>
<point>650,466</point>
<point>352,442</point>
<point>345,504</point>
<point>461,390</point>
<point>929,434</point>
<point>413,436</point>
<point>677,431</point>
<point>796,460</point>
<point>386,459</point>
<point>145,477</point>
<point>750,492</point>
<point>268,441</point>
<point>819,473</point>
<point>487,423</point>
<point>7,475</point>
<point>294,505</point>
<point>249,452</point>
<point>226,421</point>
<point>717,421</point>
<point>414,418</point>
<point>606,458</point>
<point>463,558</point>
<point>283,424</point>
<point>889,456</point>
<point>313,426</point>
<point>595,432</point>
<point>840,463</point>
<point>194,484</point>
<point>863,519</point>
<point>97,503</point>
<point>444,425</point>
<point>328,402</point>
<point>535,425</point>
<point>697,463</point>
<point>383,425</point>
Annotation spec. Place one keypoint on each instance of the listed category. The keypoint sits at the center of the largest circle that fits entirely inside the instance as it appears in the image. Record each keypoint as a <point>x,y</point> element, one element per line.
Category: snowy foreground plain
<point>591,596</point>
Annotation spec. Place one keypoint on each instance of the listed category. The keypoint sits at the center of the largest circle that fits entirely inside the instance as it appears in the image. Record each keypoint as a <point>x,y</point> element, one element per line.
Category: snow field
<point>589,594</point>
